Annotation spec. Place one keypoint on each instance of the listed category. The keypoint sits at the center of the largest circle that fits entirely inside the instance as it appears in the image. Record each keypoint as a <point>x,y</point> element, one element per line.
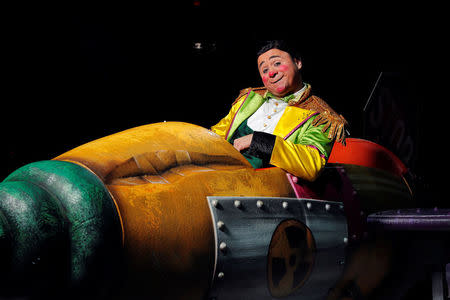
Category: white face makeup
<point>279,72</point>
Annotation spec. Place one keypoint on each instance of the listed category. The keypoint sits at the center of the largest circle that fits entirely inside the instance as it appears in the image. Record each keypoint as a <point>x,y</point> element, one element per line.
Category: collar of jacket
<point>291,99</point>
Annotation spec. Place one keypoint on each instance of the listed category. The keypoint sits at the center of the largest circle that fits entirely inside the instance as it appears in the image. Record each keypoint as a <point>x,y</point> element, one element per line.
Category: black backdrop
<point>72,74</point>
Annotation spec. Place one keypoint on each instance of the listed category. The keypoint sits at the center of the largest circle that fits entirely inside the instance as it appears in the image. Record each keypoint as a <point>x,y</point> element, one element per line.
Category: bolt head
<point>285,205</point>
<point>259,203</point>
<point>223,246</point>
<point>221,225</point>
<point>237,204</point>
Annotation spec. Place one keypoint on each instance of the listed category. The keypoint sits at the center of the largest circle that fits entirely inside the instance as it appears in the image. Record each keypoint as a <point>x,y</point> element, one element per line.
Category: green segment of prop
<point>61,208</point>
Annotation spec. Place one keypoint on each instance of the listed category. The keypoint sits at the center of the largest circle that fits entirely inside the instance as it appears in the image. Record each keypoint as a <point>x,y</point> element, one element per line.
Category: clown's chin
<point>281,89</point>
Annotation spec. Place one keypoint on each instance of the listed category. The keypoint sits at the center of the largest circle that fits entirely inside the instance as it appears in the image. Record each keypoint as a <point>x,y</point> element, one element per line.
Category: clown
<point>282,124</point>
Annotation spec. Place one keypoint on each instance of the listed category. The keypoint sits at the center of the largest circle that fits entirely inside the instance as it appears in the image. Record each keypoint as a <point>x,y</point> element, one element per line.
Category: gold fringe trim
<point>336,123</point>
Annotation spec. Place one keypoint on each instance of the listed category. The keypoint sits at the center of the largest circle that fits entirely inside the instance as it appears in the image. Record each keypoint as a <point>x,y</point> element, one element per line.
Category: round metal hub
<point>291,258</point>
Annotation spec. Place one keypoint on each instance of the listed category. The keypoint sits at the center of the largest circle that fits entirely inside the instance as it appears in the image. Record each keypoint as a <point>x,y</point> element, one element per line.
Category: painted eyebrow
<point>273,56</point>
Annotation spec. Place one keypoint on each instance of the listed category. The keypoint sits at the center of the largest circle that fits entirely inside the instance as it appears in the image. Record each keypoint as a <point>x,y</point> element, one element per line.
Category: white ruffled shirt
<point>266,118</point>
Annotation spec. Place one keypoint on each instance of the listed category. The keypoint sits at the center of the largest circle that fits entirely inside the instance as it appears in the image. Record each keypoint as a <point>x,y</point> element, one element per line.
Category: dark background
<point>73,73</point>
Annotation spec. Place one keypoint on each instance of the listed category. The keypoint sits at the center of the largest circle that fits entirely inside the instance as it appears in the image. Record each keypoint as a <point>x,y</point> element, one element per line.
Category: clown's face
<point>279,72</point>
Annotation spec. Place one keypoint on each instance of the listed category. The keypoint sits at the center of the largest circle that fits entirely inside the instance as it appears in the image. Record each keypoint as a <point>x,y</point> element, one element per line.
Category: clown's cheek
<point>283,68</point>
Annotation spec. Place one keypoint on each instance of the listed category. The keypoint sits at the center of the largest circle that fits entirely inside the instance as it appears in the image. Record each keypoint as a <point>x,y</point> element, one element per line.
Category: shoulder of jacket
<point>318,103</point>
<point>330,118</point>
<point>259,90</point>
<point>301,113</point>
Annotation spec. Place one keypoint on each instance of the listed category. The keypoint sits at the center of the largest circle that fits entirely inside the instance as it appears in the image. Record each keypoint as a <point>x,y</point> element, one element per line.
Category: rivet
<point>308,205</point>
<point>36,260</point>
<point>354,193</point>
<point>361,213</point>
<point>285,205</point>
<point>223,247</point>
<point>354,236</point>
<point>237,204</point>
<point>221,225</point>
<point>259,204</point>
<point>327,207</point>
<point>215,203</point>
<point>220,275</point>
<point>345,240</point>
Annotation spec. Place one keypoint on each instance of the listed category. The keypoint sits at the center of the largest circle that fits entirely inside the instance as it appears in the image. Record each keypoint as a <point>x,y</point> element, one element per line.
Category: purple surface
<point>437,219</point>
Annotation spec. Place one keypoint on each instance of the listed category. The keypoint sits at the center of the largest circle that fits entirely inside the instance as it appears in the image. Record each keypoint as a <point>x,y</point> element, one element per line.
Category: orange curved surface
<point>367,154</point>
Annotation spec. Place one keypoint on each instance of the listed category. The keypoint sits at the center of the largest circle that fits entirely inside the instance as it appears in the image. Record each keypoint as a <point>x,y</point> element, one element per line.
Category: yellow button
<point>269,117</point>
<point>265,125</point>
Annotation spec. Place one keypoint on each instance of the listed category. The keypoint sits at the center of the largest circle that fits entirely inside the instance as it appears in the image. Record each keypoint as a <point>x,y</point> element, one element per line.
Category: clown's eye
<point>277,64</point>
<point>265,70</point>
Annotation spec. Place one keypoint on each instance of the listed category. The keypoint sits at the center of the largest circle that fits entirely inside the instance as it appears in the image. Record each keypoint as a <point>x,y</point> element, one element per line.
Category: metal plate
<point>244,231</point>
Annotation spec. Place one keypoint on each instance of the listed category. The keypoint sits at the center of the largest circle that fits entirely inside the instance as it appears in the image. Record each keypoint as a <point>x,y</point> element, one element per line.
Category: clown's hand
<point>243,143</point>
